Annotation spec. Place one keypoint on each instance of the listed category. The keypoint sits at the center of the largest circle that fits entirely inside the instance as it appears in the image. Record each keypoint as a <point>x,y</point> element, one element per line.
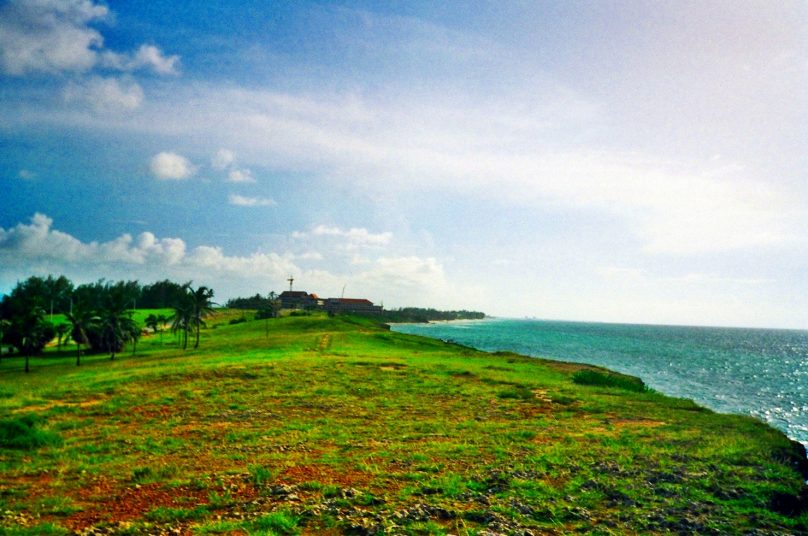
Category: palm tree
<point>81,319</point>
<point>4,325</point>
<point>156,324</point>
<point>162,320</point>
<point>134,336</point>
<point>34,332</point>
<point>117,326</point>
<point>180,322</point>
<point>152,322</point>
<point>61,331</point>
<point>201,307</point>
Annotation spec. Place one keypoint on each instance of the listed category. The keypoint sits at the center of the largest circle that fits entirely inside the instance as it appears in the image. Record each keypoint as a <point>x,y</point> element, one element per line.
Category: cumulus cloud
<point>147,57</point>
<point>49,36</point>
<point>105,94</point>
<point>56,36</point>
<point>152,57</point>
<point>242,201</point>
<point>223,159</point>
<point>170,166</point>
<point>38,248</point>
<point>240,175</point>
<point>353,237</point>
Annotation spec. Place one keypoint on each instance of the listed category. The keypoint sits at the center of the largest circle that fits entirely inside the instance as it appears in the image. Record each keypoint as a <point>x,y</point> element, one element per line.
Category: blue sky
<point>607,161</point>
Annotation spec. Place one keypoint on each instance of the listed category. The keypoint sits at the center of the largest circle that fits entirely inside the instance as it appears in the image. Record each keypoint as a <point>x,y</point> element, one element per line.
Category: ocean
<point>758,372</point>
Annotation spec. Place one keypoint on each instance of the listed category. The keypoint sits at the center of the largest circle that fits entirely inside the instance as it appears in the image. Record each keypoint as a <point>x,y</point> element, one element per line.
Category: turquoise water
<point>757,372</point>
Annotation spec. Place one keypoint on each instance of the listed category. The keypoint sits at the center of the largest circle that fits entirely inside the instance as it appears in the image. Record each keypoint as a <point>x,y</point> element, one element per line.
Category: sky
<point>629,161</point>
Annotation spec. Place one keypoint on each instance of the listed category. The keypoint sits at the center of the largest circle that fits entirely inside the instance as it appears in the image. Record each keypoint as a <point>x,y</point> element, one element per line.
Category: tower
<point>291,280</point>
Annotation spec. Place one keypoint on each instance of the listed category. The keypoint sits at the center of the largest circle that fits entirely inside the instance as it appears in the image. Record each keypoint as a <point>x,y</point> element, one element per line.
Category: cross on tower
<point>291,280</point>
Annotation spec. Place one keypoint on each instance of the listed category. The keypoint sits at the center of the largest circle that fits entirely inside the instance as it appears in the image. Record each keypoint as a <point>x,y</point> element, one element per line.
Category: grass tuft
<point>617,381</point>
<point>23,433</point>
<point>282,522</point>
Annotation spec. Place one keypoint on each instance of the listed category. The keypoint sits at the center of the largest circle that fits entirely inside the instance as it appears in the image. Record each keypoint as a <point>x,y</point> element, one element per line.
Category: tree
<point>134,336</point>
<point>180,322</point>
<point>82,319</point>
<point>57,292</point>
<point>163,320</point>
<point>160,294</point>
<point>116,328</point>
<point>116,325</point>
<point>270,308</point>
<point>4,325</point>
<point>61,331</point>
<point>156,324</point>
<point>151,322</point>
<point>30,332</point>
<point>201,308</point>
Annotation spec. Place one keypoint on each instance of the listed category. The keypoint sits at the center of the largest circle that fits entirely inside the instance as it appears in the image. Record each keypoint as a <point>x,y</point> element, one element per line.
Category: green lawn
<point>311,425</point>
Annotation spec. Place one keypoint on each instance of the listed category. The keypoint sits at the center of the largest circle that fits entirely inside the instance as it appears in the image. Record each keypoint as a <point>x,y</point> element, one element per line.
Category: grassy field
<point>311,425</point>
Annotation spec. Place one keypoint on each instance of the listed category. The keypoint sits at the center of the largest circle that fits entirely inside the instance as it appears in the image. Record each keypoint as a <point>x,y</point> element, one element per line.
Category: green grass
<point>306,425</point>
<point>24,432</point>
<point>609,379</point>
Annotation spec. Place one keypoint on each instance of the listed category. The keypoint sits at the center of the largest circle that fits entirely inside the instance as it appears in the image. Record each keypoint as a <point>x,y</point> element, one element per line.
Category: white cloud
<point>310,256</point>
<point>49,36</point>
<point>171,166</point>
<point>105,94</point>
<point>38,248</point>
<point>223,159</point>
<point>26,175</point>
<point>503,152</point>
<point>146,57</point>
<point>240,175</point>
<point>56,36</point>
<point>242,201</point>
<point>152,57</point>
<point>354,237</point>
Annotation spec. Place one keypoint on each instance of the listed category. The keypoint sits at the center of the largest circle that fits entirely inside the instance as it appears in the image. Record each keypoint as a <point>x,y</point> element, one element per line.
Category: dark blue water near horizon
<point>758,372</point>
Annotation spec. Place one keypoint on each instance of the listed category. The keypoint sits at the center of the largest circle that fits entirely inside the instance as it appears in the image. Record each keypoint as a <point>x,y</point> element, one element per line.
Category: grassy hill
<point>327,426</point>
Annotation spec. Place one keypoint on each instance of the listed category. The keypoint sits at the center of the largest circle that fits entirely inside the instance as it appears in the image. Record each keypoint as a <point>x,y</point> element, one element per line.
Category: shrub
<point>239,320</point>
<point>602,379</point>
<point>22,433</point>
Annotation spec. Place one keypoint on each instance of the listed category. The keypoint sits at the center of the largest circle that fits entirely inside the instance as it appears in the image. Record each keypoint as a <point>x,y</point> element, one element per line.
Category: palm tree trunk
<point>196,344</point>
<point>78,354</point>
<point>26,364</point>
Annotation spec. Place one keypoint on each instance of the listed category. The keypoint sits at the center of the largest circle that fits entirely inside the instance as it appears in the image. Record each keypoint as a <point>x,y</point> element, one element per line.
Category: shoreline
<point>338,424</point>
<point>672,375</point>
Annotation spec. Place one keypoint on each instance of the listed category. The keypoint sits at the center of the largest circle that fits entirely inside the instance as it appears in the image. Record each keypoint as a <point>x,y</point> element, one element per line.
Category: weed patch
<point>518,393</point>
<point>23,433</point>
<point>163,514</point>
<point>261,475</point>
<point>282,522</point>
<point>601,379</point>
